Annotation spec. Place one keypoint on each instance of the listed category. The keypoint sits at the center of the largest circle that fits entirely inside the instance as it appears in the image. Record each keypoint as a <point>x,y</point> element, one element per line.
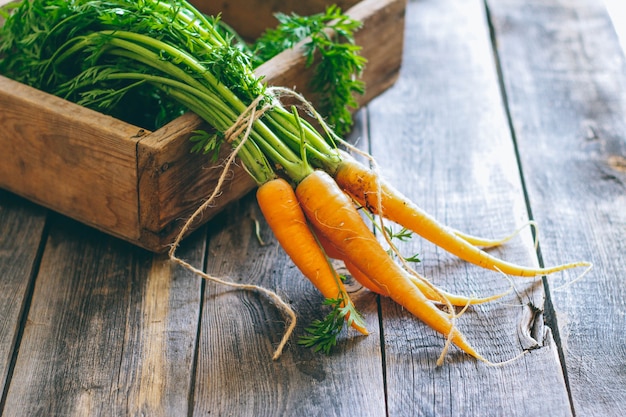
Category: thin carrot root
<point>363,185</point>
<point>431,292</point>
<point>282,212</point>
<point>333,214</point>
<point>492,243</point>
<point>444,297</point>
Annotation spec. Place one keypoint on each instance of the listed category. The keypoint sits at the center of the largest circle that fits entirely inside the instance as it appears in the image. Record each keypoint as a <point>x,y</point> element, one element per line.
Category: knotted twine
<point>242,127</point>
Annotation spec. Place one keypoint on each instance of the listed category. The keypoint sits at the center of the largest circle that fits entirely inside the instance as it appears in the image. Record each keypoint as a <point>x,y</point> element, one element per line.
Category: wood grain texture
<point>21,229</point>
<point>68,158</point>
<point>441,136</point>
<point>173,182</point>
<point>565,78</point>
<point>111,330</point>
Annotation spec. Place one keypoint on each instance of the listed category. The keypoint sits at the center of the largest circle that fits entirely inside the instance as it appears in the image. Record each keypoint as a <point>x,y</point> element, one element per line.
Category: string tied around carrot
<point>242,127</point>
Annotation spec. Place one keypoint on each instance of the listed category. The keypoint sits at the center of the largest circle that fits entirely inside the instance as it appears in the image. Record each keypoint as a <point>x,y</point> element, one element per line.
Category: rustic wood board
<point>111,330</point>
<point>441,135</point>
<point>21,230</point>
<point>565,78</point>
<point>240,330</point>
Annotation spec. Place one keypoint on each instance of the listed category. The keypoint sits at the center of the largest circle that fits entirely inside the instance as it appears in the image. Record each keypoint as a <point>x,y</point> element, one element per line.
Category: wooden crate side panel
<point>251,17</point>
<point>173,182</point>
<point>68,158</point>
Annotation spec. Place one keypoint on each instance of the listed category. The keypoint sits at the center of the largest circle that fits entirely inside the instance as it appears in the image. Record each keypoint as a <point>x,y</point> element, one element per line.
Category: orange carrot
<point>332,212</point>
<point>328,247</point>
<point>363,279</point>
<point>282,212</point>
<point>430,291</point>
<point>334,253</point>
<point>363,184</point>
<point>356,273</point>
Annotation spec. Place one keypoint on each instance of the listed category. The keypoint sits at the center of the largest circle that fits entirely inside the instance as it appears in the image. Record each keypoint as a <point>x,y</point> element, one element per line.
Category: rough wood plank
<point>21,228</point>
<point>566,81</point>
<point>111,330</point>
<point>617,12</point>
<point>240,330</point>
<point>441,135</point>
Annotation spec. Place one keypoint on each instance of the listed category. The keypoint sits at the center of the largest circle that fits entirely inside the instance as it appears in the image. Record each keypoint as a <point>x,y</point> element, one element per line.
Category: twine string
<point>242,127</point>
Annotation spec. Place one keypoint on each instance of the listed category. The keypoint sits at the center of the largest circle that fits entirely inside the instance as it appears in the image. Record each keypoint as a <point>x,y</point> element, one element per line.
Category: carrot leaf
<point>340,64</point>
<point>322,334</point>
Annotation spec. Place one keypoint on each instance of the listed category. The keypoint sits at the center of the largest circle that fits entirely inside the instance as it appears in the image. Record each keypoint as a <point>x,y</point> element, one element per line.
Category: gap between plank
<point>25,309</point>
<point>548,310</point>
<point>379,308</point>
<point>191,397</point>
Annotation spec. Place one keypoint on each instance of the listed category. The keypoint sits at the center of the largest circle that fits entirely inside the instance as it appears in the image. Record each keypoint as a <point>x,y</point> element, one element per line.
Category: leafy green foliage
<point>340,65</point>
<point>403,235</point>
<point>322,334</point>
<point>227,64</point>
<point>32,47</point>
<point>207,143</point>
<point>57,55</point>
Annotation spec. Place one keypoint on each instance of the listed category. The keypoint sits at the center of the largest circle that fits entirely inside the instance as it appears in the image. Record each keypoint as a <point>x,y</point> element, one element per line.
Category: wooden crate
<point>141,185</point>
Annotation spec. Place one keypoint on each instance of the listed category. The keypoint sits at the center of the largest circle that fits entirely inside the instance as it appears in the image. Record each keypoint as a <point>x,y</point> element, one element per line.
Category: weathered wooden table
<point>505,110</point>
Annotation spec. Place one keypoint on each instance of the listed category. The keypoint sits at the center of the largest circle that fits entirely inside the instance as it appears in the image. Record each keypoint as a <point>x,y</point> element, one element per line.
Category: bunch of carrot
<point>308,190</point>
<point>332,227</point>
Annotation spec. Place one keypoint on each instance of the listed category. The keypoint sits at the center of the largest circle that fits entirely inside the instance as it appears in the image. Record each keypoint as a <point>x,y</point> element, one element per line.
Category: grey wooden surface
<point>505,111</point>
